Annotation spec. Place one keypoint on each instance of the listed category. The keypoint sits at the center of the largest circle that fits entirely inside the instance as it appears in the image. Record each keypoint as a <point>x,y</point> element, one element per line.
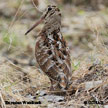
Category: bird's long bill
<point>36,24</point>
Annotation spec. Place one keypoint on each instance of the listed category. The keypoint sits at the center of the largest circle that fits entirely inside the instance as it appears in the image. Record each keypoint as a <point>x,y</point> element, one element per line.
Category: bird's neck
<point>49,28</point>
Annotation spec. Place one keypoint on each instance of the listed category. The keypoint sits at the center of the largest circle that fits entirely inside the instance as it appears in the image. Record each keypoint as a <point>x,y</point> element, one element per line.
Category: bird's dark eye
<point>49,8</point>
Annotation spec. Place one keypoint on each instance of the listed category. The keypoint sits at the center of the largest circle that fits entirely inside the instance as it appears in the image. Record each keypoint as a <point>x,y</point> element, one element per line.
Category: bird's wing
<point>54,59</point>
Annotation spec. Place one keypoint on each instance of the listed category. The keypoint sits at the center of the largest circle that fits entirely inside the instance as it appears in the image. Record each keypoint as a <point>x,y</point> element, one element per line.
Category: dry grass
<point>86,35</point>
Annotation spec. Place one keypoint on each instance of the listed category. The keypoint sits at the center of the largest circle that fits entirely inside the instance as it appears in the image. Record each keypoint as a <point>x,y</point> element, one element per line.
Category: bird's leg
<point>54,85</point>
<point>63,81</point>
<point>51,87</point>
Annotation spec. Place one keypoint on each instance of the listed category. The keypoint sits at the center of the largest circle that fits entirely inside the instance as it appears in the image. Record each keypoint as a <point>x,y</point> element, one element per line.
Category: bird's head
<point>51,18</point>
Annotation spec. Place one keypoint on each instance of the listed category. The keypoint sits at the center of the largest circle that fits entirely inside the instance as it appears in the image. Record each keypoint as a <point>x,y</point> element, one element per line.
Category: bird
<point>51,50</point>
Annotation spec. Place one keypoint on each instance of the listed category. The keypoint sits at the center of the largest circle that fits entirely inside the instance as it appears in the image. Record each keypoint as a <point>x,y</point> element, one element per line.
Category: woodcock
<point>51,51</point>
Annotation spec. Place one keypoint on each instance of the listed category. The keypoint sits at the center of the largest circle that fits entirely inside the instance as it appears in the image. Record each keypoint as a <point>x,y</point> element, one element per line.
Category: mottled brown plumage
<point>51,51</point>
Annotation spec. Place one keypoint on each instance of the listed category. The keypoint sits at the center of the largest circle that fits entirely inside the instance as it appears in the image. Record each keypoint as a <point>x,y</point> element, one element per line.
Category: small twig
<point>94,88</point>
<point>17,67</point>
<point>36,7</point>
<point>58,91</point>
<point>2,100</point>
<point>12,23</point>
